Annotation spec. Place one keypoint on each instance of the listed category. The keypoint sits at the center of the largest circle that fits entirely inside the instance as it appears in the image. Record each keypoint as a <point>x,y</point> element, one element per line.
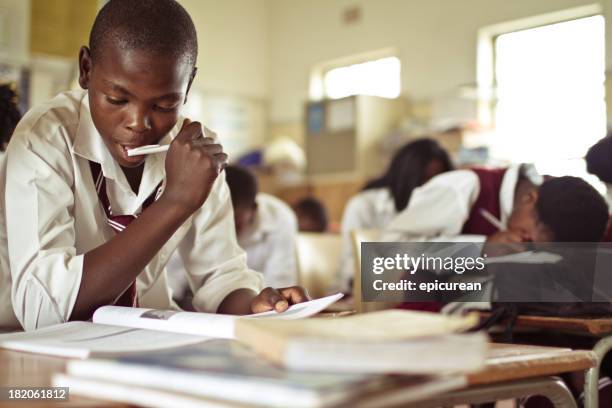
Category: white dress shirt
<point>439,208</point>
<point>53,217</point>
<point>270,242</point>
<point>370,209</point>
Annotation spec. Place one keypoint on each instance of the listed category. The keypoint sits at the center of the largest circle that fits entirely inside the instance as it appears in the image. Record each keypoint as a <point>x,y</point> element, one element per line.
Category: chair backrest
<point>318,257</point>
<point>359,236</point>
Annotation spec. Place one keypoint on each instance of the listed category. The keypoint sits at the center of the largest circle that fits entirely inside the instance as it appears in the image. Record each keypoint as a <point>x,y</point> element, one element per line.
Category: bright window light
<point>550,95</point>
<point>380,77</point>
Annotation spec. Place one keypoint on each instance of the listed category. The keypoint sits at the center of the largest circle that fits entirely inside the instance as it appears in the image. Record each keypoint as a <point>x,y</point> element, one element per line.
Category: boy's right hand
<point>193,163</point>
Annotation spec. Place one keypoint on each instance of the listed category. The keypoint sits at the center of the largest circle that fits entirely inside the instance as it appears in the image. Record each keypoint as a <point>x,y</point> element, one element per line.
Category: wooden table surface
<point>596,326</point>
<point>505,362</point>
<point>508,362</point>
<point>19,369</point>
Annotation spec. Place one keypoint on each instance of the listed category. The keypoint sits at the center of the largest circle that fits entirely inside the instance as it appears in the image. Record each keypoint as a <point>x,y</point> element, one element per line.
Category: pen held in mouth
<point>148,149</point>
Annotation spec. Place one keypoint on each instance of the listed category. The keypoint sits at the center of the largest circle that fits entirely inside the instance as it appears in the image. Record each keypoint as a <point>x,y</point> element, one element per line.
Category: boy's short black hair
<point>242,184</point>
<point>315,210</point>
<point>572,209</point>
<point>161,26</point>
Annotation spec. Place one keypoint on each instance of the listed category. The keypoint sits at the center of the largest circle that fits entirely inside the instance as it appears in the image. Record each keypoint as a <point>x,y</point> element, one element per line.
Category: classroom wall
<point>233,35</point>
<point>14,30</point>
<point>231,90</point>
<point>435,40</point>
<point>234,46</point>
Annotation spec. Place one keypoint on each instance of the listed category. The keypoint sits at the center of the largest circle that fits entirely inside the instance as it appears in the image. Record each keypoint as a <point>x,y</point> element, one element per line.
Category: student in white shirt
<point>382,198</point>
<point>266,228</point>
<point>65,260</point>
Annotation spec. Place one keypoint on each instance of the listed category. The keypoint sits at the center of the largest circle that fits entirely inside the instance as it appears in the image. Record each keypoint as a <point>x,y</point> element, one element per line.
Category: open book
<point>116,330</point>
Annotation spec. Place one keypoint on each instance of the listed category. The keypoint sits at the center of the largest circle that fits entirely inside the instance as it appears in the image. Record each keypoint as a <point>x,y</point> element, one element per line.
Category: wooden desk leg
<point>550,387</point>
<point>591,379</point>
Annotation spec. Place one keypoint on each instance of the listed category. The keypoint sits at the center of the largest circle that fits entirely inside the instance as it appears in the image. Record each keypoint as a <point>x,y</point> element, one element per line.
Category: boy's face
<point>134,96</point>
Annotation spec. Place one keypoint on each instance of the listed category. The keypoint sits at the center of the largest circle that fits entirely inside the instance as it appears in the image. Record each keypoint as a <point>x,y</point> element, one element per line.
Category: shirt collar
<point>508,187</point>
<point>89,144</point>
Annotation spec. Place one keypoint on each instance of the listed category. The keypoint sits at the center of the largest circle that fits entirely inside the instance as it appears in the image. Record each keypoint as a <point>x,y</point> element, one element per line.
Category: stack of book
<point>165,358</point>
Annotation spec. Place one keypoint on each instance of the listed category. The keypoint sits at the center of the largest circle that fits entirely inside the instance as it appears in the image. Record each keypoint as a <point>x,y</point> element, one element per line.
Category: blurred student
<point>83,224</point>
<point>266,228</point>
<point>599,163</point>
<point>383,198</point>
<point>311,215</point>
<point>9,114</point>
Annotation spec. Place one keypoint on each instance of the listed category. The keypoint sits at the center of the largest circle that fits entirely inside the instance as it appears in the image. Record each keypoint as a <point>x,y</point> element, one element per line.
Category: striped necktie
<point>118,223</point>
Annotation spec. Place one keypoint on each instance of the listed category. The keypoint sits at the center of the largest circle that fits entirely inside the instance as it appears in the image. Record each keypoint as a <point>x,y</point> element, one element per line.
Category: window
<point>550,92</point>
<point>380,77</point>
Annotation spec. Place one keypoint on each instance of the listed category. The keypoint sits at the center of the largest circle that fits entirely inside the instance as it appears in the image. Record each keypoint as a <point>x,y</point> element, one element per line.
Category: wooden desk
<point>593,326</point>
<point>508,362</point>
<point>34,370</point>
<point>505,363</point>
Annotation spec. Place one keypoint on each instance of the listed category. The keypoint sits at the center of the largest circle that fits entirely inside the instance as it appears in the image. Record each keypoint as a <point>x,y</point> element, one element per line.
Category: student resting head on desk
<point>266,228</point>
<point>71,189</point>
<point>506,205</point>
<point>499,205</point>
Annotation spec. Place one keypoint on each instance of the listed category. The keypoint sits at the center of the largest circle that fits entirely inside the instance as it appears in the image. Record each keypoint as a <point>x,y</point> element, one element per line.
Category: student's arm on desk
<point>438,208</point>
<point>216,265</point>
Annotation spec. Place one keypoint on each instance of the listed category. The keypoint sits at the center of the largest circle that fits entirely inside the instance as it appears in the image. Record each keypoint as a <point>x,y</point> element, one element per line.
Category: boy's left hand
<point>278,300</point>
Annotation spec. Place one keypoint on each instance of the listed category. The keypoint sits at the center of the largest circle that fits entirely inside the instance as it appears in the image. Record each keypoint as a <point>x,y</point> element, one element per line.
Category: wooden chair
<point>318,260</point>
<point>357,237</point>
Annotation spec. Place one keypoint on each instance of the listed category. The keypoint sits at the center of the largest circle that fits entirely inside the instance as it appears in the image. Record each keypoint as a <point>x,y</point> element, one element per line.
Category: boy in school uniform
<point>266,228</point>
<point>84,224</point>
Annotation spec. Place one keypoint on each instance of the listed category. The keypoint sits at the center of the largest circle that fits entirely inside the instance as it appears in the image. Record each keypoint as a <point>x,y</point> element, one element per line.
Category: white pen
<point>492,219</point>
<point>148,149</point>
